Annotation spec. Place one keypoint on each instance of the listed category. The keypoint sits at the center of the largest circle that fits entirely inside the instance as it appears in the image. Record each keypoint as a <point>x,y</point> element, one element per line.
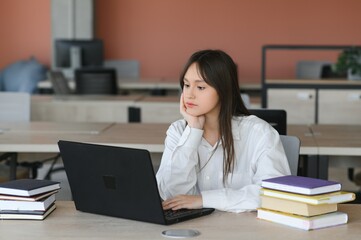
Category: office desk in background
<point>319,142</point>
<point>35,136</point>
<point>67,223</point>
<point>42,137</point>
<point>92,108</point>
<point>82,108</point>
<point>337,140</point>
<point>44,128</point>
<point>339,145</point>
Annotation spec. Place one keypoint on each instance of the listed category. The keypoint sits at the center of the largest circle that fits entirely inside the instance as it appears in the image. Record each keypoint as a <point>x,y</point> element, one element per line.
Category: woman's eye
<point>186,85</point>
<point>201,88</point>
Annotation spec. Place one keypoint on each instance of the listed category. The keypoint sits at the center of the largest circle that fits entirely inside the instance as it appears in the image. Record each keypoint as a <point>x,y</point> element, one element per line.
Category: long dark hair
<point>220,72</point>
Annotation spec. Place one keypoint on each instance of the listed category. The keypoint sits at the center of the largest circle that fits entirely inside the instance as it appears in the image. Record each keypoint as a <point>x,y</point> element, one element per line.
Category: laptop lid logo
<point>109,182</point>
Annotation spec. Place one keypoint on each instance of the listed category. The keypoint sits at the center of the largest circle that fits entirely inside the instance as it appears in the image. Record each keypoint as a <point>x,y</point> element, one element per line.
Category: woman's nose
<point>189,93</point>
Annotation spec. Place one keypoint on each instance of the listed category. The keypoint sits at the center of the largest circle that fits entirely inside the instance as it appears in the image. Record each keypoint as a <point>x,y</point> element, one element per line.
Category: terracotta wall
<point>25,30</point>
<point>161,34</point>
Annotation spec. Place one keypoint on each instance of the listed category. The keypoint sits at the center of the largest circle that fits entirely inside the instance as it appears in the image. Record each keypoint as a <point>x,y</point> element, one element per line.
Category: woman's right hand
<point>193,121</point>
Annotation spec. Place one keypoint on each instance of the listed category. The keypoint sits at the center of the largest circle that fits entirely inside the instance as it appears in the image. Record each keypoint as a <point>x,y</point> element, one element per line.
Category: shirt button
<point>207,177</point>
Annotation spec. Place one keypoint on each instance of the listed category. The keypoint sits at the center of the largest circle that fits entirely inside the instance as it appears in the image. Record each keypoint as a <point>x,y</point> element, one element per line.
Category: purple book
<point>301,185</point>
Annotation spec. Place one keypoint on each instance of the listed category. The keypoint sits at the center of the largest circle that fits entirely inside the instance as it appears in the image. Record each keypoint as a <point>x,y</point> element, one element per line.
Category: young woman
<point>218,154</point>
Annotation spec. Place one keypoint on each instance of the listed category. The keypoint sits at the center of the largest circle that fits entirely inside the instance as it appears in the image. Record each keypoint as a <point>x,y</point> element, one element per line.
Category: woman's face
<point>199,97</point>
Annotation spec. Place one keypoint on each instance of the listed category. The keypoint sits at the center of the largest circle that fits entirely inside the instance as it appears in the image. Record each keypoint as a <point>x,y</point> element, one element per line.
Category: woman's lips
<point>190,105</point>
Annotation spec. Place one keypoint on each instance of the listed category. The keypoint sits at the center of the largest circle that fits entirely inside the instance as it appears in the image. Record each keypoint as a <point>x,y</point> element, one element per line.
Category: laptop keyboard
<point>170,214</point>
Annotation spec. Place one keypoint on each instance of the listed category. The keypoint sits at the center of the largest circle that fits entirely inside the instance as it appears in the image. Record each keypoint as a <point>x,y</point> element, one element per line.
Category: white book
<point>27,215</point>
<point>302,222</point>
<point>40,205</point>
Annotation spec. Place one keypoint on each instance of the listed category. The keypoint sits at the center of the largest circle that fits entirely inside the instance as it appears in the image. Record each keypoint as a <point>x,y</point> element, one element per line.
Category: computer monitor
<point>75,53</point>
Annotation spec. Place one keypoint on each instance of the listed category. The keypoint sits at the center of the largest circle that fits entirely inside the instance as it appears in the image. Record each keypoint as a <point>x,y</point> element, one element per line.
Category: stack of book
<point>303,202</point>
<point>27,199</point>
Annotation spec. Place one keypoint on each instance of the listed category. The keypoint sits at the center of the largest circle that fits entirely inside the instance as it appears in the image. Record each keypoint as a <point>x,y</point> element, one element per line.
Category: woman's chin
<point>193,113</point>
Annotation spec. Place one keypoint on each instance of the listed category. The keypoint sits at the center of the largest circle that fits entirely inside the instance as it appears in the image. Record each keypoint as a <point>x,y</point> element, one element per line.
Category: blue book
<point>301,185</point>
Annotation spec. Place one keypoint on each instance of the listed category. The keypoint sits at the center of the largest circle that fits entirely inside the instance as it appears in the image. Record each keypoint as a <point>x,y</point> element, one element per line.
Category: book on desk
<point>26,214</point>
<point>301,209</point>
<point>27,199</point>
<point>39,205</point>
<point>28,187</point>
<point>329,198</point>
<point>301,185</point>
<point>303,222</point>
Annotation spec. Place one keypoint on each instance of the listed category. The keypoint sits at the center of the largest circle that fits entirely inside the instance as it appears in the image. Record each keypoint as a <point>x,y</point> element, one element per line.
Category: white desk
<point>67,223</point>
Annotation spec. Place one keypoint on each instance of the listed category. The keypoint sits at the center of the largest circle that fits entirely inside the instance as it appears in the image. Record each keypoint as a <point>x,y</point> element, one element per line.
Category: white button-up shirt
<point>188,166</point>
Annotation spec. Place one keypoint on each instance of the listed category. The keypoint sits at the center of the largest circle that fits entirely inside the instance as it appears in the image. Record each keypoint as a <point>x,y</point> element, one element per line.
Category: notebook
<point>118,182</point>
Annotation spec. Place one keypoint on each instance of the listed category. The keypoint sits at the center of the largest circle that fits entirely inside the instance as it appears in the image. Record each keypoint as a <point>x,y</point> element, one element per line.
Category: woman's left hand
<point>183,201</point>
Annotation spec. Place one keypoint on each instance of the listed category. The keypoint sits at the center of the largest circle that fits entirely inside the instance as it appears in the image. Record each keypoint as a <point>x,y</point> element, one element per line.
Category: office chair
<point>310,69</point>
<point>246,100</point>
<point>96,81</point>
<point>127,69</point>
<point>276,117</point>
<point>59,83</point>
<point>291,145</point>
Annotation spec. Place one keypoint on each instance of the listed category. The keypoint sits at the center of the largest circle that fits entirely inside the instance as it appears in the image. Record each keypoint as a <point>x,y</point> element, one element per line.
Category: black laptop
<point>119,182</point>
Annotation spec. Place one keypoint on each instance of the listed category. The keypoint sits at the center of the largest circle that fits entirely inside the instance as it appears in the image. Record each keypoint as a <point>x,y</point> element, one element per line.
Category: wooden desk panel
<point>146,136</point>
<point>338,140</point>
<point>96,108</point>
<point>303,132</point>
<point>74,108</point>
<point>53,127</point>
<point>41,137</point>
<point>159,109</point>
<point>67,223</point>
